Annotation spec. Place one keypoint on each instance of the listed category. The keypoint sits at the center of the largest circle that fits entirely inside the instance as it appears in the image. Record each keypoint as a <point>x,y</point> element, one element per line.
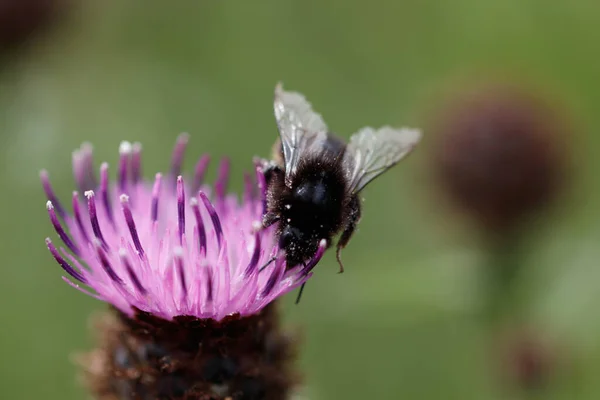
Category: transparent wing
<point>300,128</point>
<point>371,152</point>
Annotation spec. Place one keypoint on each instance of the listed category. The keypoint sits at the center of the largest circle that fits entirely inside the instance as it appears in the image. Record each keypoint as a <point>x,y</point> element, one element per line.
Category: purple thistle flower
<point>165,247</point>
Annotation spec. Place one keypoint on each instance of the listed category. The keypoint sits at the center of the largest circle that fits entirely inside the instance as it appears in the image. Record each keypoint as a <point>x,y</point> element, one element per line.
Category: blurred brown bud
<point>21,19</point>
<point>528,362</point>
<point>498,154</point>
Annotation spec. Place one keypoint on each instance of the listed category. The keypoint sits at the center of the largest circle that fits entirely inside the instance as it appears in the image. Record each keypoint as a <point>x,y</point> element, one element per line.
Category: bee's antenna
<point>300,293</point>
<point>267,263</point>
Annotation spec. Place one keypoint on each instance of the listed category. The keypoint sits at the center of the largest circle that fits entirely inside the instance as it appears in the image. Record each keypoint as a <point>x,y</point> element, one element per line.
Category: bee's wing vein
<point>371,152</point>
<point>300,128</point>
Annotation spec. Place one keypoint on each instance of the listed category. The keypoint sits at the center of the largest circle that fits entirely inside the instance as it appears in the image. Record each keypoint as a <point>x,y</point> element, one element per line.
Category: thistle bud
<point>20,20</point>
<point>498,155</point>
<point>528,362</point>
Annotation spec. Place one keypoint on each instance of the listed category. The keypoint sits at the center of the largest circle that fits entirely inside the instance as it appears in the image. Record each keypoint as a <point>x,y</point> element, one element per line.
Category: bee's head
<point>298,245</point>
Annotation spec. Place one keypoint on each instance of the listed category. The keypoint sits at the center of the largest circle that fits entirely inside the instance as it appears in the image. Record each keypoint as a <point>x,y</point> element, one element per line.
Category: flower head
<point>168,247</point>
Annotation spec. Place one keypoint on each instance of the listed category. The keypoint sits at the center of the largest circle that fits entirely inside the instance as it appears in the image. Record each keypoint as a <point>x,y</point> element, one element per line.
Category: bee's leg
<point>267,263</point>
<point>300,293</point>
<point>269,171</point>
<point>349,228</point>
<point>269,219</point>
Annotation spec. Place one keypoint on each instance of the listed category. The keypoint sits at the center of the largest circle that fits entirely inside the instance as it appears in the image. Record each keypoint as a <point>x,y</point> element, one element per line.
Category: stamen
<point>94,217</point>
<point>77,167</point>
<point>209,284</point>
<point>106,264</point>
<point>125,150</point>
<point>136,163</point>
<point>255,256</point>
<point>63,263</point>
<point>222,178</point>
<point>249,192</point>
<point>104,195</point>
<point>78,218</point>
<point>178,153</point>
<point>213,216</point>
<point>199,225</point>
<point>262,185</point>
<point>131,225</point>
<point>178,255</point>
<point>155,196</point>
<point>82,290</point>
<point>180,208</point>
<point>59,229</point>
<point>132,275</point>
<point>50,193</point>
<point>275,277</point>
<point>87,152</point>
<point>200,172</point>
<point>83,167</point>
<point>316,258</point>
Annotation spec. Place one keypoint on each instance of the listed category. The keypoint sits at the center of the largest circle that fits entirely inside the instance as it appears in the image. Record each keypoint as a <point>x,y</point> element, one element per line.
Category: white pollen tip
<point>122,252</point>
<point>158,175</point>
<point>183,137</point>
<point>43,173</point>
<point>124,198</point>
<point>193,201</point>
<point>125,147</point>
<point>89,193</point>
<point>48,241</point>
<point>104,166</point>
<point>137,147</point>
<point>178,252</point>
<point>179,179</point>
<point>323,243</point>
<point>256,226</point>
<point>75,193</point>
<point>86,146</point>
<point>49,205</point>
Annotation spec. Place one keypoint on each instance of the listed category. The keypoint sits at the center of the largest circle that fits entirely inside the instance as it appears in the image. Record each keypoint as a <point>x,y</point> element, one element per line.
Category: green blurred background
<point>402,322</point>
